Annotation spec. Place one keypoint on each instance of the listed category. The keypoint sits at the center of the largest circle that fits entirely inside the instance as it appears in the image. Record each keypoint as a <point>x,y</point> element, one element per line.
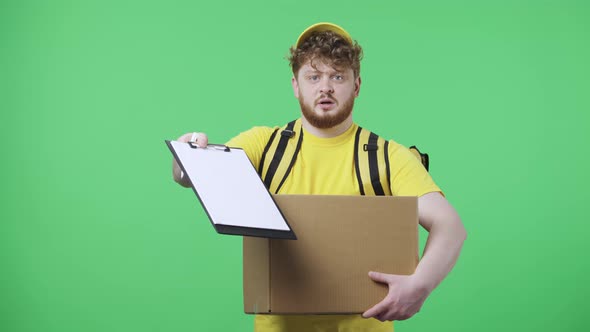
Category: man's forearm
<point>441,252</point>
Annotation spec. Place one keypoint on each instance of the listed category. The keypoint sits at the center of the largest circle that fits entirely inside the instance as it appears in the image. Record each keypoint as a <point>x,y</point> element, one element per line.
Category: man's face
<point>326,94</point>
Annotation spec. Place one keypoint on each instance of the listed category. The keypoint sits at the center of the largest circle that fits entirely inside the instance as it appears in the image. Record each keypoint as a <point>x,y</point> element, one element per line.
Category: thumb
<point>202,139</point>
<point>380,277</point>
<point>385,277</point>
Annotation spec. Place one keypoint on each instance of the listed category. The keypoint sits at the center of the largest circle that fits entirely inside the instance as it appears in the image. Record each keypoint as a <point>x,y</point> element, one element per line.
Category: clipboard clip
<point>219,147</point>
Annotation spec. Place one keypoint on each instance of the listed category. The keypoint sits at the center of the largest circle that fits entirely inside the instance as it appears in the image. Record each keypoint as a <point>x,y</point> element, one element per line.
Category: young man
<point>326,80</point>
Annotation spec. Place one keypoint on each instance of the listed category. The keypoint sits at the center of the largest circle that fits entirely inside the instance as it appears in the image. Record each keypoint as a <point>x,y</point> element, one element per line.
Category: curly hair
<point>329,47</point>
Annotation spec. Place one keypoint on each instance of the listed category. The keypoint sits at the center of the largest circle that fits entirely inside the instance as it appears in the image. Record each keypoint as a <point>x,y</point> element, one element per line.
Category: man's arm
<point>446,235</point>
<point>445,239</point>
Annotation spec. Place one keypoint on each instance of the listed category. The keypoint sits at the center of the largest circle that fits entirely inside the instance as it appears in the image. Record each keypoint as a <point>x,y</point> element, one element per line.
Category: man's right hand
<point>201,140</point>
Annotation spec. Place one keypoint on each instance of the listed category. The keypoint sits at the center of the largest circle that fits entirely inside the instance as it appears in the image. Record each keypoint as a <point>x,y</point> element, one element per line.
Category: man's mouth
<point>326,103</point>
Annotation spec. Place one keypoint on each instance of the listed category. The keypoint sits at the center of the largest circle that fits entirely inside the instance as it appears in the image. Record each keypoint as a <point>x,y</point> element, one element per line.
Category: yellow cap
<point>323,26</point>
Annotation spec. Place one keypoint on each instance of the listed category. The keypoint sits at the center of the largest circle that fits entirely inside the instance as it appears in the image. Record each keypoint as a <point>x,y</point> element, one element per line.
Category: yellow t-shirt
<point>326,166</point>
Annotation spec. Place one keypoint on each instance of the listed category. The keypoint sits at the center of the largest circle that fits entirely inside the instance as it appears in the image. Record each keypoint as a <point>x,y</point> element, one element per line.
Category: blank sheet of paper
<point>229,187</point>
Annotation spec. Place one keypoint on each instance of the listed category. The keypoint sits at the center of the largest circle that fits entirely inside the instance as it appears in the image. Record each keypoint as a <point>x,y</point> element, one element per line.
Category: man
<point>326,80</point>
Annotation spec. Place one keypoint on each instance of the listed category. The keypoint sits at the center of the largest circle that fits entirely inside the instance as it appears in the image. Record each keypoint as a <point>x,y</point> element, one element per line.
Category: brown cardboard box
<point>339,240</point>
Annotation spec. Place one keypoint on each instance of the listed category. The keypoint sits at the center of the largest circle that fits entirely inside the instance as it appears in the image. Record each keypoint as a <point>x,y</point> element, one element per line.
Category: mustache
<point>325,96</point>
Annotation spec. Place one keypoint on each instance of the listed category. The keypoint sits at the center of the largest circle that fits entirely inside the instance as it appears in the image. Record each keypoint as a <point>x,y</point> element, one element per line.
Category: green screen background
<point>95,235</point>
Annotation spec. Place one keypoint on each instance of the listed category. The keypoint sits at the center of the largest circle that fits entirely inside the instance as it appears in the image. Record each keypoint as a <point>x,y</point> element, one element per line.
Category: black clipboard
<point>231,191</point>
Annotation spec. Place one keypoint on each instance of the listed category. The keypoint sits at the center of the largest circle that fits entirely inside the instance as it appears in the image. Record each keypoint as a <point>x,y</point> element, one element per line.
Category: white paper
<point>229,187</point>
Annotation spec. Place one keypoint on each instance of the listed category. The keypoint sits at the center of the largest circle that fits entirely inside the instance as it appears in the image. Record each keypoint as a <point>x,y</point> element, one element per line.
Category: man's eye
<point>338,77</point>
<point>314,77</point>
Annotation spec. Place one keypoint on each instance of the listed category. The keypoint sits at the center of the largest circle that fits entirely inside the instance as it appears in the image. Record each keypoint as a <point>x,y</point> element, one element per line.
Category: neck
<point>337,130</point>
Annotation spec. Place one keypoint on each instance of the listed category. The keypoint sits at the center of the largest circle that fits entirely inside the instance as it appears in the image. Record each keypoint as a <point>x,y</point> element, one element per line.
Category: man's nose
<point>326,86</point>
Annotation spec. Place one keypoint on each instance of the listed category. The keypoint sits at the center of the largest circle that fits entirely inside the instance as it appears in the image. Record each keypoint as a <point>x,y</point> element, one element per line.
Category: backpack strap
<point>423,157</point>
<point>371,159</point>
<point>371,162</point>
<point>287,144</point>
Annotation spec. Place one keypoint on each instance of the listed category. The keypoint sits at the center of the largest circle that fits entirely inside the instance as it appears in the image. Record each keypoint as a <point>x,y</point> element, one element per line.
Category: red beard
<point>326,120</point>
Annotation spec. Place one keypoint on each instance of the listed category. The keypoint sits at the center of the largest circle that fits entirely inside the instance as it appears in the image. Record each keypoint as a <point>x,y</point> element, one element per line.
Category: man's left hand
<point>405,297</point>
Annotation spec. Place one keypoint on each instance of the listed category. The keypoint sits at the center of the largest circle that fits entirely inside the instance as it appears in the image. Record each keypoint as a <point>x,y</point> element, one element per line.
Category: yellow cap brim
<point>323,26</point>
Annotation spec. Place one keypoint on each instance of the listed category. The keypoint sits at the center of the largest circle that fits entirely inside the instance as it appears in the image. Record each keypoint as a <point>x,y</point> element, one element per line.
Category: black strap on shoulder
<point>371,168</point>
<point>299,141</point>
<point>276,159</point>
<point>268,144</point>
<point>386,157</point>
<point>423,157</point>
<point>371,149</point>
<point>356,160</point>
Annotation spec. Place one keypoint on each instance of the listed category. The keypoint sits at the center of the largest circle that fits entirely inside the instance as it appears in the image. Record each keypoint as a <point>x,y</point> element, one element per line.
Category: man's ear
<point>357,86</point>
<point>295,87</point>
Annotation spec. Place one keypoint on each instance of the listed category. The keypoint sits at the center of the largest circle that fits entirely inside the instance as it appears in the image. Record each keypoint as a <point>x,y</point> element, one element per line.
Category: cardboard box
<point>339,240</point>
